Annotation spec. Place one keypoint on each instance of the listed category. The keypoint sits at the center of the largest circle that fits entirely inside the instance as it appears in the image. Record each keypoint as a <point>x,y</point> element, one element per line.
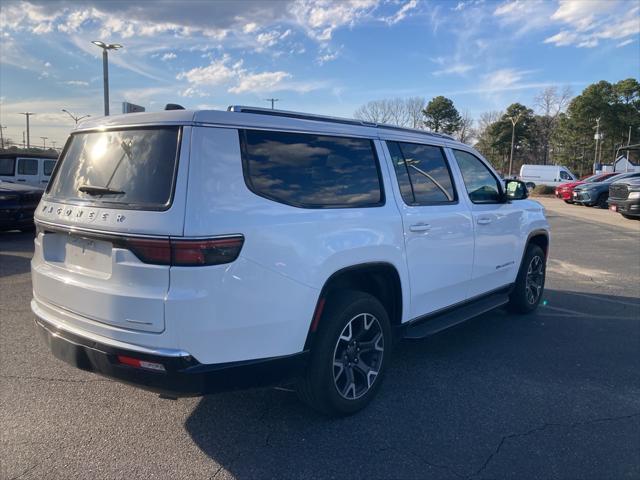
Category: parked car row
<point>23,177</point>
<point>615,190</point>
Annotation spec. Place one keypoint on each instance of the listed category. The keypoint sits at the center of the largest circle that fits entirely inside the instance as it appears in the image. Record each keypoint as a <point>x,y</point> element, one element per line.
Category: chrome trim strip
<point>114,233</point>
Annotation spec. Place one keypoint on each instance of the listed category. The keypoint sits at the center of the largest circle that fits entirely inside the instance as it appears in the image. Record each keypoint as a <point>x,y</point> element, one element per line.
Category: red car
<point>565,190</point>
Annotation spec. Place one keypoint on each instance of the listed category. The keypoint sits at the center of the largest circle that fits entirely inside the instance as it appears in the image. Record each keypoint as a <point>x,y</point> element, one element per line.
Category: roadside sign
<point>131,108</point>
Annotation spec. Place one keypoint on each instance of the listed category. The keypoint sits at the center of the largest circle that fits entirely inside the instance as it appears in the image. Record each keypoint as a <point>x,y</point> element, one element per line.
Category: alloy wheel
<point>357,356</point>
<point>534,279</point>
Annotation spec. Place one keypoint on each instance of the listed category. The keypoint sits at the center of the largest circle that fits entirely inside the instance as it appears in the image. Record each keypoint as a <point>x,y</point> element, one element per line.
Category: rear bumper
<point>183,375</point>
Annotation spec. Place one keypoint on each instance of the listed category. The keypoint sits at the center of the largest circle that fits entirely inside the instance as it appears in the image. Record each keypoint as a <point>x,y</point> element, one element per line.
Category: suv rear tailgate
<point>82,264</point>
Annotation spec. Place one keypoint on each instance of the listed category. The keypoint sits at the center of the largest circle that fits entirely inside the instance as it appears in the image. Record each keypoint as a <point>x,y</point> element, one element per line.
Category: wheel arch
<point>380,279</point>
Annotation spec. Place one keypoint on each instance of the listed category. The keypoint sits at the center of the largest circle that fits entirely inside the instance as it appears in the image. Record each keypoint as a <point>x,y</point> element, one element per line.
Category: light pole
<point>27,114</point>
<point>76,118</point>
<point>2,136</point>
<point>514,122</point>
<point>105,69</point>
<point>44,142</point>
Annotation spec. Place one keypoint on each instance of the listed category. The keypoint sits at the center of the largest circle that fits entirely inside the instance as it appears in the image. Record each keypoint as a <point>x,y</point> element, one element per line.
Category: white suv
<point>194,252</point>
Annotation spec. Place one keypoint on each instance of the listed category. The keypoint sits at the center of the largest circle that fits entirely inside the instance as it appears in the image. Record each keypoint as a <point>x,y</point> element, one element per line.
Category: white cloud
<point>583,23</point>
<point>192,92</point>
<point>169,56</point>
<point>224,72</point>
<point>77,83</point>
<point>625,43</point>
<point>216,73</point>
<point>456,69</point>
<point>321,17</point>
<point>259,82</point>
<point>503,79</point>
<point>402,13</point>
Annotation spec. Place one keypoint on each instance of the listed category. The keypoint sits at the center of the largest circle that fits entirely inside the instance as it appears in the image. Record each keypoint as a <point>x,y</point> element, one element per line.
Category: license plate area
<point>88,254</point>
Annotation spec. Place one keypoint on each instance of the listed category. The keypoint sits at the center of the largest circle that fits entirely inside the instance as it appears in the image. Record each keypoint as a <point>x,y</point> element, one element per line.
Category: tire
<point>602,201</point>
<point>526,295</point>
<point>335,382</point>
<point>530,186</point>
<point>568,201</point>
<point>630,217</point>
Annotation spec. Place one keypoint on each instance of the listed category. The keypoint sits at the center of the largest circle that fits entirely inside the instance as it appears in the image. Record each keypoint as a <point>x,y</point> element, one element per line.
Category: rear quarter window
<point>8,166</point>
<point>311,171</point>
<point>139,164</point>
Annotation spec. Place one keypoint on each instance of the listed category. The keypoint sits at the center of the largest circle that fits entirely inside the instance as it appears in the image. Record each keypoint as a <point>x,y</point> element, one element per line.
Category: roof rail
<point>323,118</point>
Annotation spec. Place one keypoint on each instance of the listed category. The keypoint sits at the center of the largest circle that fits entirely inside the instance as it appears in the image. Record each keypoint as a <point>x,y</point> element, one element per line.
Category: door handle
<point>484,221</point>
<point>420,227</point>
<point>21,180</point>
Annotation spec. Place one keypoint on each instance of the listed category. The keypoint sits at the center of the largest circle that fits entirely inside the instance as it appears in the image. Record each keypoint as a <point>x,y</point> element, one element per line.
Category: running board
<point>441,321</point>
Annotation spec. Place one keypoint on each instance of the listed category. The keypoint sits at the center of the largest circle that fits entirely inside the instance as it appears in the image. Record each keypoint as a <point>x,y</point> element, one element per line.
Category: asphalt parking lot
<point>552,395</point>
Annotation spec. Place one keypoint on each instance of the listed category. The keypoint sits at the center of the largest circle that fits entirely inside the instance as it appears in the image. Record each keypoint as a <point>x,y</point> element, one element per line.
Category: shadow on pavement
<point>495,397</point>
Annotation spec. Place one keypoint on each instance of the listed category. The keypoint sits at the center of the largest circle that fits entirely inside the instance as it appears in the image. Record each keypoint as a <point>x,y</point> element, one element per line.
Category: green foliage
<point>441,115</point>
<point>543,190</point>
<point>567,138</point>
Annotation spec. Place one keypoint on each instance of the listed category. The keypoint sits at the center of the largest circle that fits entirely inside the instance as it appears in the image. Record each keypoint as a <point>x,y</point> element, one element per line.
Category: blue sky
<point>315,55</point>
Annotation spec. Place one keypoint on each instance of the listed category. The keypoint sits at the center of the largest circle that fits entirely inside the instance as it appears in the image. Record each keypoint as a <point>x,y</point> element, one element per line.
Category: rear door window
<point>311,171</point>
<point>27,166</point>
<point>133,168</point>
<point>423,173</point>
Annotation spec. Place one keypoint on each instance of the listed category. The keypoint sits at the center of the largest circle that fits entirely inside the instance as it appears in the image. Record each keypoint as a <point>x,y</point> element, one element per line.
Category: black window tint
<point>48,166</point>
<point>482,186</point>
<point>314,171</point>
<point>7,166</point>
<point>27,166</point>
<point>423,175</point>
<point>141,163</point>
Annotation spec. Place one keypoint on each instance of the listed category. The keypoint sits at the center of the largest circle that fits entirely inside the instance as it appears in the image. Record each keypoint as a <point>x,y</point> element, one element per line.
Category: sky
<point>318,56</point>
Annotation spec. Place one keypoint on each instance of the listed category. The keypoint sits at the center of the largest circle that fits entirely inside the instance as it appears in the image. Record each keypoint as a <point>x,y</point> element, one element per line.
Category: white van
<point>26,168</point>
<point>552,175</point>
<point>194,252</point>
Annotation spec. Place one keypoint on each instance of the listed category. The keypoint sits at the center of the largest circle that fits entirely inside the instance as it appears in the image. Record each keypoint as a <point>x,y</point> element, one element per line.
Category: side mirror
<point>515,190</point>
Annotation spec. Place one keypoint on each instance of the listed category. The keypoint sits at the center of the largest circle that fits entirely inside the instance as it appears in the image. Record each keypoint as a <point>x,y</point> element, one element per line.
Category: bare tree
<point>486,120</point>
<point>465,132</point>
<point>550,104</point>
<point>414,107</point>
<point>395,111</point>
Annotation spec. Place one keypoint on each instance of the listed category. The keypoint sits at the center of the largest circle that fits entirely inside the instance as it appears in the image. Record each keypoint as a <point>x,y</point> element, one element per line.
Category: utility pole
<point>514,122</point>
<point>44,142</point>
<point>597,138</point>
<point>23,144</point>
<point>629,139</point>
<point>1,135</point>
<point>105,69</point>
<point>273,102</point>
<point>27,114</point>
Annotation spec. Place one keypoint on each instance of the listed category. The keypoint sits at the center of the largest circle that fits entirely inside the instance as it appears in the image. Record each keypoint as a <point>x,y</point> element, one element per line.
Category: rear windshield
<point>127,168</point>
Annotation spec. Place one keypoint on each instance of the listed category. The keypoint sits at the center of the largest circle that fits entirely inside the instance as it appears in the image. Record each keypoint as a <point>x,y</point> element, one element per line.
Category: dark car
<point>597,193</point>
<point>17,204</point>
<point>624,197</point>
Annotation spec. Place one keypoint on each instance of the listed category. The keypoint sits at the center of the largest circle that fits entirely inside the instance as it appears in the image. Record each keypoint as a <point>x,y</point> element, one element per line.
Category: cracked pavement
<point>553,395</point>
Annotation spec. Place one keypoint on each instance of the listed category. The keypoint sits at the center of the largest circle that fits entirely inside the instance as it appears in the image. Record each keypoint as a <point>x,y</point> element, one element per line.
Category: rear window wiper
<point>93,190</point>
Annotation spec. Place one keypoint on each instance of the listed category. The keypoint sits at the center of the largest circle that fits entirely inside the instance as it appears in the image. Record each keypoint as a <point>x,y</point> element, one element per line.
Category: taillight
<point>186,253</point>
<point>157,251</point>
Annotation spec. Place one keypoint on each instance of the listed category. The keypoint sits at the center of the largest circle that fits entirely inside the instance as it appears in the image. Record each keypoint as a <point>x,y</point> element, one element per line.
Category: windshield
<point>127,168</point>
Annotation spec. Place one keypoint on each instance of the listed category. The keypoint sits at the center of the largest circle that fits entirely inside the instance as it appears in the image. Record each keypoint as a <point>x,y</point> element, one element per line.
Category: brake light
<point>184,253</point>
